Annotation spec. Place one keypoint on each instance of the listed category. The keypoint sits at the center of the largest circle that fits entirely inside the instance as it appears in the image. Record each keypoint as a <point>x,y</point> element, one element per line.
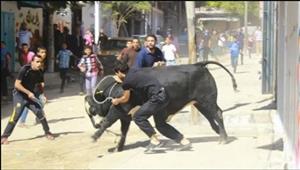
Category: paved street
<point>254,144</point>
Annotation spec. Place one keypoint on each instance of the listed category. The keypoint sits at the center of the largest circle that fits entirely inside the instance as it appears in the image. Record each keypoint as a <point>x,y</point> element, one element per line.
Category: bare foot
<point>50,136</point>
<point>23,125</point>
<point>4,141</point>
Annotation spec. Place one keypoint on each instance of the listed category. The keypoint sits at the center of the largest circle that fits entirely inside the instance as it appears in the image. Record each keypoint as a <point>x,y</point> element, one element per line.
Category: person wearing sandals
<point>154,101</point>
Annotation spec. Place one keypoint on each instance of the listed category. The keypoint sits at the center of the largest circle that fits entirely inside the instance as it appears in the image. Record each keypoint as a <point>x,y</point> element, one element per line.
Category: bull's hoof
<point>94,139</point>
<point>118,149</point>
<point>115,150</point>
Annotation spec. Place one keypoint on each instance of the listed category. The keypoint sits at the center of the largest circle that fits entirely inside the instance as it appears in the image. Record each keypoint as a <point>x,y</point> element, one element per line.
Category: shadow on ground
<point>277,145</point>
<point>261,101</point>
<point>169,145</point>
<point>64,119</point>
<point>236,106</point>
<point>270,106</point>
<point>42,136</point>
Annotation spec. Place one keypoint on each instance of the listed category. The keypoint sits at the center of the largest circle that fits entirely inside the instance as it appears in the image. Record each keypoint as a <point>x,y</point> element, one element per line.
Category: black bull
<point>183,83</point>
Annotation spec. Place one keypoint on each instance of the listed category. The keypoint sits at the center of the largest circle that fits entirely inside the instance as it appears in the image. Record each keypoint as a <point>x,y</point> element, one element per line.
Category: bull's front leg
<point>106,122</point>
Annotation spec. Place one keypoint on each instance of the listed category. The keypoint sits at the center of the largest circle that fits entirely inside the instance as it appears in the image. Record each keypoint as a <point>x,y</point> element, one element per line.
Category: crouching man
<point>29,76</point>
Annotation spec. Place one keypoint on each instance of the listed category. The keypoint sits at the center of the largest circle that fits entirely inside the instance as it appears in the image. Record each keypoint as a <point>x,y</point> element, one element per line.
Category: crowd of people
<point>213,43</point>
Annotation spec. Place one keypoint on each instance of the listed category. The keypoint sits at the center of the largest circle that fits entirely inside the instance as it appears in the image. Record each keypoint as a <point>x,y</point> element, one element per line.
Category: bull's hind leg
<point>209,117</point>
<point>214,115</point>
<point>220,120</point>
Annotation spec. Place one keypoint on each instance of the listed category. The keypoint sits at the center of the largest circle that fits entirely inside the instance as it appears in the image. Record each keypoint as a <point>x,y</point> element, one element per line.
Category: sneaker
<point>151,147</point>
<point>184,147</point>
<point>50,136</point>
<point>4,141</point>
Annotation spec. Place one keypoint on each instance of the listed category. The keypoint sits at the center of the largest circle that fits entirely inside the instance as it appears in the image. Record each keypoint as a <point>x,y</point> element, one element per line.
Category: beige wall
<point>32,16</point>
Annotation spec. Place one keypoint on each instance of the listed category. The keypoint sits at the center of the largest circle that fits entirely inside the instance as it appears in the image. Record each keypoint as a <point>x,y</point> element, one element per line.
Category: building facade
<point>288,78</point>
<point>12,16</point>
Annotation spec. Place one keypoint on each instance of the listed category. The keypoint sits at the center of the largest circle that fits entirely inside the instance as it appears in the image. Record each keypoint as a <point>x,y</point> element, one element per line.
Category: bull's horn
<point>99,92</point>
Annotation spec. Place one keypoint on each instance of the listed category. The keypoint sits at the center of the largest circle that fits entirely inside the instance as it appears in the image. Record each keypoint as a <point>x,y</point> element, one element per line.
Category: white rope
<point>108,98</point>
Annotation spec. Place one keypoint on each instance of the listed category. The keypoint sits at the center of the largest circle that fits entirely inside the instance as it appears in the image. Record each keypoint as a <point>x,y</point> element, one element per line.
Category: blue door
<point>8,34</point>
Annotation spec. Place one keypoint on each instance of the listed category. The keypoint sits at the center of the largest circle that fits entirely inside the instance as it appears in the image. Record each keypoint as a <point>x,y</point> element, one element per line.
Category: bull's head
<point>100,101</point>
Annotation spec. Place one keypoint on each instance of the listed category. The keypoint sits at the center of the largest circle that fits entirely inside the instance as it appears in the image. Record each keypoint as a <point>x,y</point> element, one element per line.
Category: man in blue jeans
<point>41,51</point>
<point>29,76</point>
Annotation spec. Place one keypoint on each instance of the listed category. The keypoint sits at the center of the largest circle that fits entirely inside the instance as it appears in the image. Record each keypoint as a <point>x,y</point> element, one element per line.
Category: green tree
<point>236,7</point>
<point>122,10</point>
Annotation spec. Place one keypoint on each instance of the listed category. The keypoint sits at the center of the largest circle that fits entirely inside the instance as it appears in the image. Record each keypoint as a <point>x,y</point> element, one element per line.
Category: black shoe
<point>184,147</point>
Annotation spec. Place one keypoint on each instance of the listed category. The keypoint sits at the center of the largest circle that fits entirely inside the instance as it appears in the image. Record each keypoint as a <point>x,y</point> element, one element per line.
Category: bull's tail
<point>204,63</point>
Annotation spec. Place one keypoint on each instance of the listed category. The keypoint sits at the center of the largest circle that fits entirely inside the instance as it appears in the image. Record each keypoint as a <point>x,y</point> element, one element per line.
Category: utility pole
<point>190,14</point>
<point>246,29</point>
<point>51,58</point>
<point>97,19</point>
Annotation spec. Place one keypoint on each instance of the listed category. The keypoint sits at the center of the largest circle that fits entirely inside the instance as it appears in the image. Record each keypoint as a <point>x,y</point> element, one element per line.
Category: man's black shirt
<point>142,83</point>
<point>30,78</point>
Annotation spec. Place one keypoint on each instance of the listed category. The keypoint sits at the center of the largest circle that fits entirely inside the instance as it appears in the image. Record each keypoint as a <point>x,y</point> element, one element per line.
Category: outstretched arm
<point>122,99</point>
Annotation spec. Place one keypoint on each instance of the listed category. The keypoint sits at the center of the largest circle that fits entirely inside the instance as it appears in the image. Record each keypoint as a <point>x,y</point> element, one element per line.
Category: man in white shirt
<point>170,52</point>
<point>23,37</point>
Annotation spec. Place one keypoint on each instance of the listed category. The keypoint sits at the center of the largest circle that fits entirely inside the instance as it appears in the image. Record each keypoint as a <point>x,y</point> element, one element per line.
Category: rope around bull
<point>107,98</point>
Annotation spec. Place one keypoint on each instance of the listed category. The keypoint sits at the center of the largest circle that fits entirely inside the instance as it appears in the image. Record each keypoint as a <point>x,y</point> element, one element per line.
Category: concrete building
<point>216,19</point>
<point>282,72</point>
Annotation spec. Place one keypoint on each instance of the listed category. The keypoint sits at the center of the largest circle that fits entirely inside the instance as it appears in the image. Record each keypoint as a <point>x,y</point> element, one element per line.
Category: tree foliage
<point>122,10</point>
<point>236,7</point>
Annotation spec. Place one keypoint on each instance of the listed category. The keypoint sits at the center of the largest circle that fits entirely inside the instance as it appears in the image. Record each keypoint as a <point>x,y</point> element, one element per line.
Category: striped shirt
<point>91,64</point>
<point>64,58</point>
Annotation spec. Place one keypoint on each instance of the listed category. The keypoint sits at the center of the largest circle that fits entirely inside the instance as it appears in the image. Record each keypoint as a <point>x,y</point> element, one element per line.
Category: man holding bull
<point>155,99</point>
